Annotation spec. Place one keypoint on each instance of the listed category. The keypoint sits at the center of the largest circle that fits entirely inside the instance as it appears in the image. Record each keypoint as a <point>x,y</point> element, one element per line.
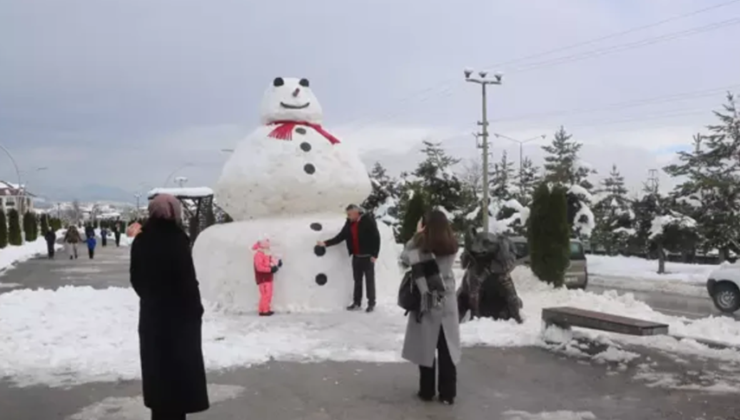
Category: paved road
<point>506,384</point>
<point>671,304</point>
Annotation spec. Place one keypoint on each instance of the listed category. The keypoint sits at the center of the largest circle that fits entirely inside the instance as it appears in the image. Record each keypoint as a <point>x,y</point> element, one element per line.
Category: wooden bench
<point>566,317</point>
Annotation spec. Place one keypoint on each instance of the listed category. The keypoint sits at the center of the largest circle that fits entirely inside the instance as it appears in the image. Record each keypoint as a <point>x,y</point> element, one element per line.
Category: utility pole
<point>483,81</point>
<point>653,180</point>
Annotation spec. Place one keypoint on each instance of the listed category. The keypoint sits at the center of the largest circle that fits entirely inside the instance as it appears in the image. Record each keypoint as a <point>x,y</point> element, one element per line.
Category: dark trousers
<point>159,415</point>
<point>104,241</point>
<point>447,386</point>
<point>363,267</point>
<point>91,252</point>
<point>118,239</point>
<point>50,249</point>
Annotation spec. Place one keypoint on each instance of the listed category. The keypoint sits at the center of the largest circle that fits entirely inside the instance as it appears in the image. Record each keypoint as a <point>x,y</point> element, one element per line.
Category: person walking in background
<point>104,236</point>
<point>51,238</point>
<point>265,267</point>
<point>71,240</point>
<point>431,254</point>
<point>91,243</point>
<point>117,232</point>
<point>170,315</point>
<point>362,237</point>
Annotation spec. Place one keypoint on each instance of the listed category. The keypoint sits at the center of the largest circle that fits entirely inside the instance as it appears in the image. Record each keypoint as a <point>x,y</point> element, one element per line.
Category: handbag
<point>409,296</point>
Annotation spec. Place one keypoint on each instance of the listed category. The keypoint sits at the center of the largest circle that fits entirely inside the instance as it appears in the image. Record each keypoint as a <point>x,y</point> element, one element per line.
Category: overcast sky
<point>121,93</point>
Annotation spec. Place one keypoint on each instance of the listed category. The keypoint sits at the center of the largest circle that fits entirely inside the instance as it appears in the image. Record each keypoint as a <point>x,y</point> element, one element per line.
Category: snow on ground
<point>78,334</point>
<point>12,255</point>
<point>641,274</point>
<point>549,415</point>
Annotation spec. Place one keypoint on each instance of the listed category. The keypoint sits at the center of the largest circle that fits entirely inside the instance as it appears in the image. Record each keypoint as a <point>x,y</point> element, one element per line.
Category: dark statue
<point>487,289</point>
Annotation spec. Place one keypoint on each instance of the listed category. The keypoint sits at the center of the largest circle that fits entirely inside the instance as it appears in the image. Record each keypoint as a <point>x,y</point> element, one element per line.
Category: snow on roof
<point>192,192</point>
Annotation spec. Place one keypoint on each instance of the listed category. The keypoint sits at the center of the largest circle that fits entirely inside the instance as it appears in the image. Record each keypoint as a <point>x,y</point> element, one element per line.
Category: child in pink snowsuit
<point>265,266</point>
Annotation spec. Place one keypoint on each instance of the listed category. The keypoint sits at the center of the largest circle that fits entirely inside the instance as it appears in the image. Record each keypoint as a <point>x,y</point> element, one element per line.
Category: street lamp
<point>521,154</point>
<point>483,80</point>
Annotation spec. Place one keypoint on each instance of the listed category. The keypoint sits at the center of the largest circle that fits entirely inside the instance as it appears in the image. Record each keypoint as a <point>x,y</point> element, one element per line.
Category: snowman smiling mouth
<point>289,106</point>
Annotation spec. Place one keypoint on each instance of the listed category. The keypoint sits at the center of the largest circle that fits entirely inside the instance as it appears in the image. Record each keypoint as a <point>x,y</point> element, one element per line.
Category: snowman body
<point>289,181</point>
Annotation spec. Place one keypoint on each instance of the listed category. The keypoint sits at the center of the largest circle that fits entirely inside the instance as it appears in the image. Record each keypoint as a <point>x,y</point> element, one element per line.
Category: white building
<point>14,197</point>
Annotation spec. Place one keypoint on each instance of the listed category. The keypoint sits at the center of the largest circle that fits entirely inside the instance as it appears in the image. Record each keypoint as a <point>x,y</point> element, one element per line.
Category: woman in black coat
<point>170,314</point>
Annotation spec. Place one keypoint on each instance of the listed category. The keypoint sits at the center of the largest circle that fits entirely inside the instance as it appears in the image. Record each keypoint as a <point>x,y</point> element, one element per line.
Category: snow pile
<point>549,415</point>
<point>642,269</point>
<point>11,255</point>
<point>79,334</point>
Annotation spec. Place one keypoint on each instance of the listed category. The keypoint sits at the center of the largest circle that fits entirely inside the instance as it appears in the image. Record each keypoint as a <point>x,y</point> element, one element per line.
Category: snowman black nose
<point>303,82</point>
<point>278,82</point>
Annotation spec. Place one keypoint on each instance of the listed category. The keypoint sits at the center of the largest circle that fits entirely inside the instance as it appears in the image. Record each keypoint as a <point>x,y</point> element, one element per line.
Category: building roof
<point>11,189</point>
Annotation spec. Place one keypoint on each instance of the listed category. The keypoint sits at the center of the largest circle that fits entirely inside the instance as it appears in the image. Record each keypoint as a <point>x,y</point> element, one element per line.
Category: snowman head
<point>290,99</point>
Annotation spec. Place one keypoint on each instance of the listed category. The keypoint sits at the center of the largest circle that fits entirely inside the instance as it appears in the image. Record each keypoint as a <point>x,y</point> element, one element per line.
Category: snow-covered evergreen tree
<point>614,215</point>
<point>712,181</point>
<point>383,200</point>
<point>441,187</point>
<point>564,168</point>
<point>562,164</point>
<point>502,179</point>
<point>527,180</point>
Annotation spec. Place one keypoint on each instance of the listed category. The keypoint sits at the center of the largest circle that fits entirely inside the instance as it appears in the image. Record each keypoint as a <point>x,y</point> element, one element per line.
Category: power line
<point>590,54</point>
<point>629,46</point>
<point>676,97</point>
<point>617,34</point>
<point>445,86</point>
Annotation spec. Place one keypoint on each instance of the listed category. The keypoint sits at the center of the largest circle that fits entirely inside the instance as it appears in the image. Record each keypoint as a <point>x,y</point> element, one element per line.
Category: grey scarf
<point>425,272</point>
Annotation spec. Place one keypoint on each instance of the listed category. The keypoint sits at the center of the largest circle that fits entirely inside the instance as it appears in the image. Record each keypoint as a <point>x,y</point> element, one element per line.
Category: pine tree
<point>562,165</point>
<point>415,210</point>
<point>440,185</point>
<point>527,180</point>
<point>3,230</point>
<point>14,228</point>
<point>712,180</point>
<point>383,187</point>
<point>548,234</point>
<point>502,180</point>
<point>613,214</point>
<point>29,226</point>
<point>44,223</point>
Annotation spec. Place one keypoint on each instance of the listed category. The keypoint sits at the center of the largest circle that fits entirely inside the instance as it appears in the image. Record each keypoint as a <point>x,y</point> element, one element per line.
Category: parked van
<point>576,276</point>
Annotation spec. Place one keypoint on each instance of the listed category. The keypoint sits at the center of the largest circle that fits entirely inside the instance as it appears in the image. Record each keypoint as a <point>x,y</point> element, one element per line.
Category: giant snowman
<point>289,181</point>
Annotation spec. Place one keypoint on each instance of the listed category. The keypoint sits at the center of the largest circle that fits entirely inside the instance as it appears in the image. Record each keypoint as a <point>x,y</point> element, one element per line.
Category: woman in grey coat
<point>435,328</point>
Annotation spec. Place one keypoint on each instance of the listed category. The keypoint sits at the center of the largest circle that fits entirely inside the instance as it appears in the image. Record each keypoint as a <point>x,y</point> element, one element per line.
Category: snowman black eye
<point>303,82</point>
<point>278,82</point>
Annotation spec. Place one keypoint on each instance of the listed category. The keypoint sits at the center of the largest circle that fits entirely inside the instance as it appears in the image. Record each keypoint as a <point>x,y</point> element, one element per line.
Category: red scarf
<point>284,130</point>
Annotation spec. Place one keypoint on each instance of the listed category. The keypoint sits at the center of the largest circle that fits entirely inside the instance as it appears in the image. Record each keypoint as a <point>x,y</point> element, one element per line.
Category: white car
<point>724,287</point>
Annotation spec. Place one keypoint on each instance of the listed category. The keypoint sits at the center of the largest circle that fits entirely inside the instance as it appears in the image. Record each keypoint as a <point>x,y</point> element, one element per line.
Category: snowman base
<point>311,279</point>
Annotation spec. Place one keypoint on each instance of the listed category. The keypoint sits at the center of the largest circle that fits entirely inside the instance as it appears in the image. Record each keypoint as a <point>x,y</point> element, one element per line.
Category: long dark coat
<point>420,342</point>
<point>170,314</point>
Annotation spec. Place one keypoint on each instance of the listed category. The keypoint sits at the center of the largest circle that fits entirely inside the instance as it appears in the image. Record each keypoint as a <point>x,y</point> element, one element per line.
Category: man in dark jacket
<point>117,232</point>
<point>361,235</point>
<point>51,239</point>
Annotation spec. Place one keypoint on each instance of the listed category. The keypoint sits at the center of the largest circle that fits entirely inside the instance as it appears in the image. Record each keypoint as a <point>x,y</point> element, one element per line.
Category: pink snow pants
<point>265,296</point>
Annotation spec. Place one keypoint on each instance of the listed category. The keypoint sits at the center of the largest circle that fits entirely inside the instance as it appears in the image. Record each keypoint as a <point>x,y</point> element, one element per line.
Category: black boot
<point>354,307</point>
